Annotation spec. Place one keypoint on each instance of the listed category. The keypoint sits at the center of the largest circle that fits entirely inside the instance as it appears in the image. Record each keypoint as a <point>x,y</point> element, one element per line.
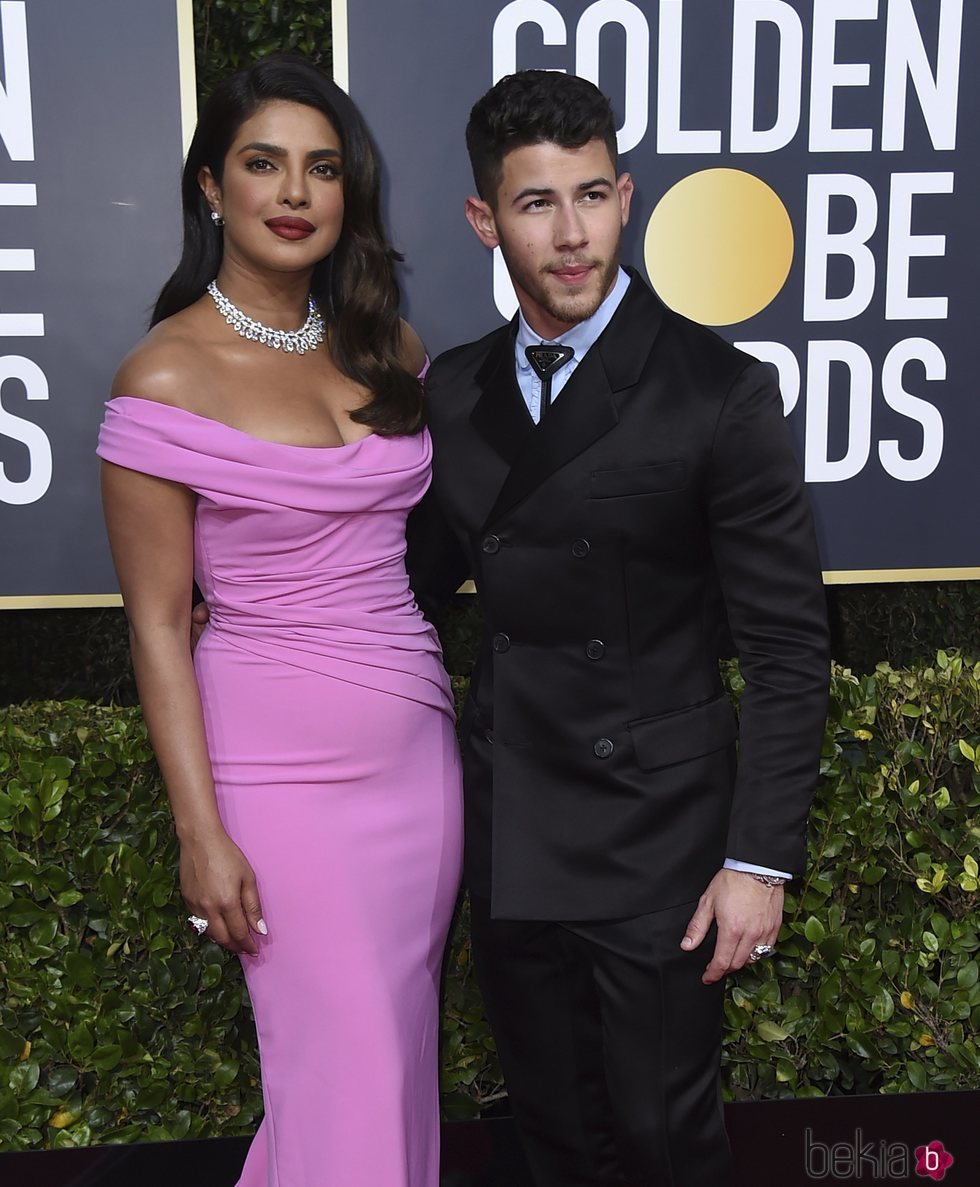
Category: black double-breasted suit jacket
<point>658,504</point>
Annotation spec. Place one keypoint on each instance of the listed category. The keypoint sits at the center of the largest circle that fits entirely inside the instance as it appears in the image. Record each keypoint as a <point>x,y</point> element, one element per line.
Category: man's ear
<point>624,187</point>
<point>210,188</point>
<point>480,217</point>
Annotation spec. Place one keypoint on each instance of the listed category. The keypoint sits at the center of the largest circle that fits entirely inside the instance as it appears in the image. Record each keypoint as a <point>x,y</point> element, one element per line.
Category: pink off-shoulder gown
<point>330,730</point>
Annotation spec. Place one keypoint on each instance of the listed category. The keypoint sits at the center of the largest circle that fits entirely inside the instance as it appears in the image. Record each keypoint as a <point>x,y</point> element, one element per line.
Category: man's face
<point>558,221</point>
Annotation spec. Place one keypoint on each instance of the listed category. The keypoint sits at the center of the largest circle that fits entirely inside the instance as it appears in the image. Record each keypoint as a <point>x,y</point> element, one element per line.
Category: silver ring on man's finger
<point>198,924</point>
<point>759,951</point>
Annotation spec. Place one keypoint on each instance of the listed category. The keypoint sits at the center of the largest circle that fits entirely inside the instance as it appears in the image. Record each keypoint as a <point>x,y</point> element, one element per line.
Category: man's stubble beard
<point>570,310</point>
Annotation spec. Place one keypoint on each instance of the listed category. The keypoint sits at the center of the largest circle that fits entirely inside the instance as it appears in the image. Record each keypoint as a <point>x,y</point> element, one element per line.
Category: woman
<point>265,440</point>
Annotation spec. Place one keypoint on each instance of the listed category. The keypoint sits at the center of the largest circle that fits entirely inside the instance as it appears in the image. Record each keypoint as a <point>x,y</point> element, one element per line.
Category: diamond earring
<point>217,219</point>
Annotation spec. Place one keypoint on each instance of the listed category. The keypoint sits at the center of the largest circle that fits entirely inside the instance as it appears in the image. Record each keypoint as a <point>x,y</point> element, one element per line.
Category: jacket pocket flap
<point>638,480</point>
<point>687,733</point>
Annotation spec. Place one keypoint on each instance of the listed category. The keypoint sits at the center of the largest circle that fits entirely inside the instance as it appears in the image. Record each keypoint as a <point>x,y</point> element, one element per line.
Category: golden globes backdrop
<point>807,183</point>
<point>90,152</point>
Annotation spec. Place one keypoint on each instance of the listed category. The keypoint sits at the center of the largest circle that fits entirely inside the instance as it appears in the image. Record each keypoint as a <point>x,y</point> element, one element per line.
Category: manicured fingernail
<point>261,928</point>
<point>686,942</point>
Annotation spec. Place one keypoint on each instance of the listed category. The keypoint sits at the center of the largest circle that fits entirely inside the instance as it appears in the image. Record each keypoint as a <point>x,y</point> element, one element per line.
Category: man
<point>617,491</point>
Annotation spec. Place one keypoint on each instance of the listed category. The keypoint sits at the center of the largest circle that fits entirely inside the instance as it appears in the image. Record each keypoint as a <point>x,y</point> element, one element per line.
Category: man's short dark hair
<point>534,107</point>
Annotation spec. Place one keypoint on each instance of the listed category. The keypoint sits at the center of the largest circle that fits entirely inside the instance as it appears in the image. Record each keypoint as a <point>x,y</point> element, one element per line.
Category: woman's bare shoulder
<point>167,365</point>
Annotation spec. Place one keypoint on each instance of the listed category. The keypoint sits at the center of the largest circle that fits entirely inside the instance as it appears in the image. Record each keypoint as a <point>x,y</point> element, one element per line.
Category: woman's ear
<point>210,188</point>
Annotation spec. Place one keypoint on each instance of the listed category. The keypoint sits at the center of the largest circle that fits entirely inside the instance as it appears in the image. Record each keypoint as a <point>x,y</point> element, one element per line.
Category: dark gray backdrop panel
<point>415,69</point>
<point>105,232</point>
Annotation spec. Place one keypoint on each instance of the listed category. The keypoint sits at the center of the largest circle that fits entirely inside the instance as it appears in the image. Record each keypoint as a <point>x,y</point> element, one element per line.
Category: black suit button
<point>501,642</point>
<point>603,748</point>
<point>491,544</point>
<point>595,649</point>
<point>488,734</point>
<point>581,548</point>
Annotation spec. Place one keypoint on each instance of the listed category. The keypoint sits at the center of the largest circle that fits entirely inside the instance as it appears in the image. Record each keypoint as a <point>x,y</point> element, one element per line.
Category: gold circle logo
<point>718,247</point>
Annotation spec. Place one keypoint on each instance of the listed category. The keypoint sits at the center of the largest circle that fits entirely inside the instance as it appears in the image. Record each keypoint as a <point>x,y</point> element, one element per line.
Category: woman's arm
<point>150,522</point>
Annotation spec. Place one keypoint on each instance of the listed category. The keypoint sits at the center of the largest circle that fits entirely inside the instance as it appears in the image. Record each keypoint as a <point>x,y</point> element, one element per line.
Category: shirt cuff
<point>746,867</point>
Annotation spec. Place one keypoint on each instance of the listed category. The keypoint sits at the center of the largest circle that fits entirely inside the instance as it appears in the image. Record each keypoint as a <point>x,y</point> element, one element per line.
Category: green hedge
<point>116,1025</point>
<point>875,986</point>
<point>231,33</point>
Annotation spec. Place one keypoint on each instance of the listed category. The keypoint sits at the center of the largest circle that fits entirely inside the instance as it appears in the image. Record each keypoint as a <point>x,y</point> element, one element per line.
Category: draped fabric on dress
<point>329,723</point>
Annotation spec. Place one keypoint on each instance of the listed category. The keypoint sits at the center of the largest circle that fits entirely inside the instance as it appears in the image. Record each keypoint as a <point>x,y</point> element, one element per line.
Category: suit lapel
<point>587,407</point>
<point>582,413</point>
<point>500,414</point>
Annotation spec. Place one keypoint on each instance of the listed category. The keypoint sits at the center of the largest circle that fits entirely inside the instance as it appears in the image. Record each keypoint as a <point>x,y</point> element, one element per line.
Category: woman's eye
<point>259,165</point>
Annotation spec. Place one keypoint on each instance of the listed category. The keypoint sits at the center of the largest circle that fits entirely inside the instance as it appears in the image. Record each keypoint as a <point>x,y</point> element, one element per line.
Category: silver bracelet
<point>771,880</point>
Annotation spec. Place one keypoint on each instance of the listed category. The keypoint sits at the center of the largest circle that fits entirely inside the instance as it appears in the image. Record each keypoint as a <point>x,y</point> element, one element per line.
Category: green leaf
<point>61,1080</point>
<point>771,1032</point>
<point>23,1077</point>
<point>968,975</point>
<point>80,1042</point>
<point>58,766</point>
<point>967,750</point>
<point>106,1057</point>
<point>11,1044</point>
<point>226,1072</point>
<point>785,1072</point>
<point>31,770</point>
<point>832,948</point>
<point>814,930</point>
<point>80,968</point>
<point>882,1006</point>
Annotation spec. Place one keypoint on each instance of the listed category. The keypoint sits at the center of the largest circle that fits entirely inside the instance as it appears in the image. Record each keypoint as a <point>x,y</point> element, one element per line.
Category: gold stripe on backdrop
<point>874,576</point>
<point>862,577</point>
<point>188,72</point>
<point>60,601</point>
<point>338,35</point>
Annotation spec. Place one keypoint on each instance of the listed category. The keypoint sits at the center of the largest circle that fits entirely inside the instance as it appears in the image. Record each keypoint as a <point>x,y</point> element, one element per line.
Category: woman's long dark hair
<point>355,286</point>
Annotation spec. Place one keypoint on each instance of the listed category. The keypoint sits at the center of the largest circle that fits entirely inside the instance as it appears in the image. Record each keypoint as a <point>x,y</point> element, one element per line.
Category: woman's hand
<point>218,884</point>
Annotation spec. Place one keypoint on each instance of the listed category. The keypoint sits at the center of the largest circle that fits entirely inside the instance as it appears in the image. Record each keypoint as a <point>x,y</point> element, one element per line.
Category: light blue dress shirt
<point>581,337</point>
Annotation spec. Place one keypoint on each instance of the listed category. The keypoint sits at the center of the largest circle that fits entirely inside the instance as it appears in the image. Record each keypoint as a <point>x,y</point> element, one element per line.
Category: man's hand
<point>747,913</point>
<point>199,620</point>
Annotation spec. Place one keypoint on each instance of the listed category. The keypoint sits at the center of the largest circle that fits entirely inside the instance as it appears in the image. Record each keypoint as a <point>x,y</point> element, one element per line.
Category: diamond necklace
<point>307,337</point>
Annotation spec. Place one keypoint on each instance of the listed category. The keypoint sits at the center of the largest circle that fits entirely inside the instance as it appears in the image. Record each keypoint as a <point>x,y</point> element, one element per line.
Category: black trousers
<point>610,1047</point>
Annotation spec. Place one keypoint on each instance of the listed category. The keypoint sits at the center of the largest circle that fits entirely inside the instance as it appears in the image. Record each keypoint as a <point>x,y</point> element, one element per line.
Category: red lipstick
<point>287,227</point>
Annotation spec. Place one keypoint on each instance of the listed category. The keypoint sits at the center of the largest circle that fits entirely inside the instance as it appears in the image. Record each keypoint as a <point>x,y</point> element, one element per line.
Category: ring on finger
<point>198,923</point>
<point>759,951</point>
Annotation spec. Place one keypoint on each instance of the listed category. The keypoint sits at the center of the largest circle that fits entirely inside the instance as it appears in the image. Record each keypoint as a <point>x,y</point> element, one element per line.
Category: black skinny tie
<point>546,360</point>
